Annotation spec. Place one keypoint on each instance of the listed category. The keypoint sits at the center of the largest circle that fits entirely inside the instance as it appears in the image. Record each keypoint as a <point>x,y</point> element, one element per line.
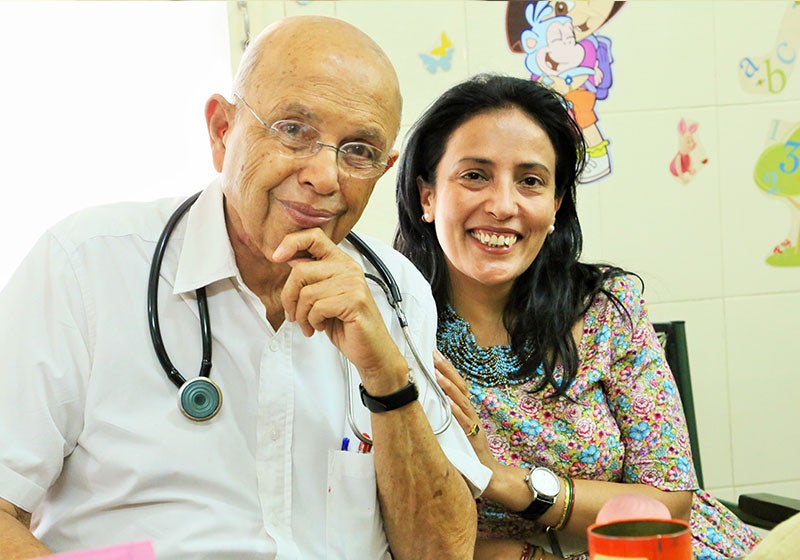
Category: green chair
<point>761,510</point>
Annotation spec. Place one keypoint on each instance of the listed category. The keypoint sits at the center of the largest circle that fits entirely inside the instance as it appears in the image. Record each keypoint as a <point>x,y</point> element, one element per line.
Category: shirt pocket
<point>354,525</point>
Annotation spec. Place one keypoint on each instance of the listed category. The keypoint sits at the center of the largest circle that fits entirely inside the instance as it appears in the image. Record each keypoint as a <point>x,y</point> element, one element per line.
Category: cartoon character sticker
<point>777,173</point>
<point>439,57</point>
<point>563,51</point>
<point>552,54</point>
<point>691,155</point>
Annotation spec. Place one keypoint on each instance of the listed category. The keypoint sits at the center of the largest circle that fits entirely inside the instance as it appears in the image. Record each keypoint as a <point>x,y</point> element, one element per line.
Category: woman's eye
<point>532,181</point>
<point>472,176</point>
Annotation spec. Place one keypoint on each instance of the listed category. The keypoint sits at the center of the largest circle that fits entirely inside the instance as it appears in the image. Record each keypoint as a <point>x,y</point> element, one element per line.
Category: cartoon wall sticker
<point>777,173</point>
<point>691,155</point>
<point>769,74</point>
<point>563,51</point>
<point>439,57</point>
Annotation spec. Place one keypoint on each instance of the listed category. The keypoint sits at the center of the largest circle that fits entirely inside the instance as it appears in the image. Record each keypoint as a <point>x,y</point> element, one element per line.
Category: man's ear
<point>427,197</point>
<point>219,117</point>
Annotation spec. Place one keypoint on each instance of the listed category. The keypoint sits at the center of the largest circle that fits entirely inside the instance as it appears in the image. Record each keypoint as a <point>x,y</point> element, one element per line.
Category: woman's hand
<point>455,387</point>
<point>507,486</point>
<point>498,549</point>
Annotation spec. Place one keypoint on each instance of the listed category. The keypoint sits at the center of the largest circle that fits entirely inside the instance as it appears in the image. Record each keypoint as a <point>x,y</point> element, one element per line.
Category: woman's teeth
<point>494,240</point>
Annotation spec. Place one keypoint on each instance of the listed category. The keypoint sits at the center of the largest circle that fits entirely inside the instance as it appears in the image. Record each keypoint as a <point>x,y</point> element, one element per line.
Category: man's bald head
<point>288,45</point>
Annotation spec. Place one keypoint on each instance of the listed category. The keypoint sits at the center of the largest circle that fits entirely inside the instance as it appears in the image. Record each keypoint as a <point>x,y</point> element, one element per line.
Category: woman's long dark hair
<point>556,290</point>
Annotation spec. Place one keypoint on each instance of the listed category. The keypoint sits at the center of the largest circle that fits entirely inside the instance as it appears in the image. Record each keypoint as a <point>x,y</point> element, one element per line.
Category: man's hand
<point>16,540</point>
<point>327,291</point>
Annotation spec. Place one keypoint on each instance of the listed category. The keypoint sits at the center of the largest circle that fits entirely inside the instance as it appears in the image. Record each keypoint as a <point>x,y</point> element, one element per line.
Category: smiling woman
<point>137,72</point>
<point>552,365</point>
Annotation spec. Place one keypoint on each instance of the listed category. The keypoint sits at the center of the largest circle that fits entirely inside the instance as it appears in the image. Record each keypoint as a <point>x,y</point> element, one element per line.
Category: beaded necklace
<point>486,366</point>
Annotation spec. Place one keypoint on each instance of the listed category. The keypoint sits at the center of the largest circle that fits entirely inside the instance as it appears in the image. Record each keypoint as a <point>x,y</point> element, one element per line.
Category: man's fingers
<point>302,245</point>
<point>310,281</point>
<point>317,306</point>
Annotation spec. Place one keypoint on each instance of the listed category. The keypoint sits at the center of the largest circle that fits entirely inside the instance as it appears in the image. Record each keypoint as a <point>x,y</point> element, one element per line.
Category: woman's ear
<point>219,117</point>
<point>427,198</point>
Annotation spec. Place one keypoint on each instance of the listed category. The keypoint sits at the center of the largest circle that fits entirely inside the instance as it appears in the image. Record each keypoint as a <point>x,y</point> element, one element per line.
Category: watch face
<point>545,482</point>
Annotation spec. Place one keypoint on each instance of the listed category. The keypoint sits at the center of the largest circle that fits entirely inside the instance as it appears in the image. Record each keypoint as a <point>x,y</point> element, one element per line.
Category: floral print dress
<point>622,422</point>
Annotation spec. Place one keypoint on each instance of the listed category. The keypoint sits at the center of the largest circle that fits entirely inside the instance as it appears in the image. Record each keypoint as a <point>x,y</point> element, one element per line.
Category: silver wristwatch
<point>545,485</point>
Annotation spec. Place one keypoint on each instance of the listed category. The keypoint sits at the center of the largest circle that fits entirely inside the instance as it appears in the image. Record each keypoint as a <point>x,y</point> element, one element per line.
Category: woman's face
<point>493,201</point>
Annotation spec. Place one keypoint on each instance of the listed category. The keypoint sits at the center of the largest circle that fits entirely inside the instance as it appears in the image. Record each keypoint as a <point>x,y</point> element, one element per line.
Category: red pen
<point>364,447</point>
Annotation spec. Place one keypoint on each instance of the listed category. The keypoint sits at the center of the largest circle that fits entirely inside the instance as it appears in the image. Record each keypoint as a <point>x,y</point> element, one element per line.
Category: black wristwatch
<point>392,401</point>
<point>545,486</point>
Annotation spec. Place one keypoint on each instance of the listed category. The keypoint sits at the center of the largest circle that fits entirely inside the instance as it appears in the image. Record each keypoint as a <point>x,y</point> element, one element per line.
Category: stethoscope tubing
<point>386,282</point>
<point>152,303</point>
<point>392,291</point>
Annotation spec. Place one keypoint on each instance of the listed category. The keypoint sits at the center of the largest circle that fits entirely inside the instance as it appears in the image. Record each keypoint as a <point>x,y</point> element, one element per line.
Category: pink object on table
<point>130,551</point>
<point>632,506</point>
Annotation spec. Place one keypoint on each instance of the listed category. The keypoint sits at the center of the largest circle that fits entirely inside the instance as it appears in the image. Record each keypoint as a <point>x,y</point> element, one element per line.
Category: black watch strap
<point>537,508</point>
<point>392,401</point>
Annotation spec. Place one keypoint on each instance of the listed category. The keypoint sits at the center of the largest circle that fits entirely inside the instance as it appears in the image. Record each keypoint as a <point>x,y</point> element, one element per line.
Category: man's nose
<point>321,170</point>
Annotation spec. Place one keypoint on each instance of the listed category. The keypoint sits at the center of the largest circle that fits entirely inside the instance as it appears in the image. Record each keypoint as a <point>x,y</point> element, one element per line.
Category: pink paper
<point>131,551</point>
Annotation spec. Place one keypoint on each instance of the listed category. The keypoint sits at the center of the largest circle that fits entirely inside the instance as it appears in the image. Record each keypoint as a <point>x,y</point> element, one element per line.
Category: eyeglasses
<point>300,140</point>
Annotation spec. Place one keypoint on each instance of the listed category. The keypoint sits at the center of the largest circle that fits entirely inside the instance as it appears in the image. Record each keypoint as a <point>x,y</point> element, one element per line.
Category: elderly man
<point>93,441</point>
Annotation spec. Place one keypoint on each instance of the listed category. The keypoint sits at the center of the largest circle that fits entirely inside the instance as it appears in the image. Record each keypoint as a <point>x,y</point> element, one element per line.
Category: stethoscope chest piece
<point>200,399</point>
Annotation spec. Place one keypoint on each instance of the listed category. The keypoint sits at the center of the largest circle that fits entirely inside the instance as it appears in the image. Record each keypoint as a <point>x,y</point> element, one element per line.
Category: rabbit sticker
<point>691,156</point>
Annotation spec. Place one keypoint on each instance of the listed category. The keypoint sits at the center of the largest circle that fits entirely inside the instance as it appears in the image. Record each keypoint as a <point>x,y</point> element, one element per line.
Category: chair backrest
<point>672,336</point>
<point>759,510</point>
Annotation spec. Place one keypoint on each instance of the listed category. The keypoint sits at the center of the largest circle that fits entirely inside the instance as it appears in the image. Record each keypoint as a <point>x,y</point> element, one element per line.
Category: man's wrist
<point>388,377</point>
<point>392,401</point>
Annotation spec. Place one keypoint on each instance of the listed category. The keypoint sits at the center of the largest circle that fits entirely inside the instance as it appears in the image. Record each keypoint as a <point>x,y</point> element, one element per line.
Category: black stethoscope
<point>200,399</point>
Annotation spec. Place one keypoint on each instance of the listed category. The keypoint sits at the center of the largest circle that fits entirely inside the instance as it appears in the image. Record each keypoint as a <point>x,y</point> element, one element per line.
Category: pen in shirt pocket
<point>364,447</point>
<point>345,444</point>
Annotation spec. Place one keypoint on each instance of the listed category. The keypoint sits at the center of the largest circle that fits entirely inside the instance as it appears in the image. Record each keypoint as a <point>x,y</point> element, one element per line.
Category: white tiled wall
<point>700,247</point>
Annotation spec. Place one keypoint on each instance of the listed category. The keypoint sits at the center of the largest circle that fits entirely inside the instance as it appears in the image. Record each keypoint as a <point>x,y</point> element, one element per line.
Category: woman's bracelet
<point>569,500</point>
<point>529,552</point>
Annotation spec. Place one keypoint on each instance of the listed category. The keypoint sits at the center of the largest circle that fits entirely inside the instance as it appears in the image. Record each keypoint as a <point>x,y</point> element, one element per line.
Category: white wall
<point>102,101</point>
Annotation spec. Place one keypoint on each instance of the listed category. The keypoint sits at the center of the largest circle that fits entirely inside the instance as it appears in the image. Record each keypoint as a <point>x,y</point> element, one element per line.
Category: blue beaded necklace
<point>486,366</point>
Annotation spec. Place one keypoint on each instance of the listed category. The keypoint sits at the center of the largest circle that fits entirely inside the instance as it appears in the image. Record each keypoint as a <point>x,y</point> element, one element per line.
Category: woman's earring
<point>426,217</point>
<point>551,229</point>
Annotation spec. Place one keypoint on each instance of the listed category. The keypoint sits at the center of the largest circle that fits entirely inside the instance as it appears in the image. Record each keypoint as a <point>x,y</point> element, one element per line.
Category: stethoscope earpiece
<point>200,399</point>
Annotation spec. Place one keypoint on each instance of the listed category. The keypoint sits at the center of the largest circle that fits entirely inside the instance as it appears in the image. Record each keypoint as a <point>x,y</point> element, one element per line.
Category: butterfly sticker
<point>439,57</point>
<point>441,50</point>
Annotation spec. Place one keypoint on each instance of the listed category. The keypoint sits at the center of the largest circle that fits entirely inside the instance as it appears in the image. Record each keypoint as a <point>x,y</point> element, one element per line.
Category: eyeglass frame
<point>376,169</point>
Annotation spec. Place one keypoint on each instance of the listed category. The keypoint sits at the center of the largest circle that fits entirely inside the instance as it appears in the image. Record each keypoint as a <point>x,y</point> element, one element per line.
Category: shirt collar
<point>206,254</point>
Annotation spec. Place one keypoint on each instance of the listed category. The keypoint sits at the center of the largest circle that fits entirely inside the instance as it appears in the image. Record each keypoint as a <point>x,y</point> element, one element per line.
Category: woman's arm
<point>508,487</point>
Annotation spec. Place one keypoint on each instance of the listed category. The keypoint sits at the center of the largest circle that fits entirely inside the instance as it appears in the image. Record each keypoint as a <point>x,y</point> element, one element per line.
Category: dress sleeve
<point>643,397</point>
